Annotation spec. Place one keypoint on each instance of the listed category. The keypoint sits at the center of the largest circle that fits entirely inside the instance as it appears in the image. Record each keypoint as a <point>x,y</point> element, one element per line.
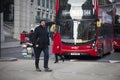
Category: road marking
<point>114,61</point>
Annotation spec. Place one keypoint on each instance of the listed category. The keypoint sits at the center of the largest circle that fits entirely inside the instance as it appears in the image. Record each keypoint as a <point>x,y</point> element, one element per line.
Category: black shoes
<point>48,70</point>
<point>63,60</point>
<point>56,62</point>
<point>38,70</point>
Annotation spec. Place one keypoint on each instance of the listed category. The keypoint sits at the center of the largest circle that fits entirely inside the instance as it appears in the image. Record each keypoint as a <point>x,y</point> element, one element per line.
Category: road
<point>82,68</point>
<point>15,52</point>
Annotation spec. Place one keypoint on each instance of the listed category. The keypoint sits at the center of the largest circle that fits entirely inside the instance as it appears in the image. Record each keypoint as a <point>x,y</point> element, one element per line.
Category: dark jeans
<point>56,57</point>
<point>37,51</point>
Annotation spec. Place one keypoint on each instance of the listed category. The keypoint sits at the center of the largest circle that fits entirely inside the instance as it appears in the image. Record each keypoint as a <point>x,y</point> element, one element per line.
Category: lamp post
<point>1,22</point>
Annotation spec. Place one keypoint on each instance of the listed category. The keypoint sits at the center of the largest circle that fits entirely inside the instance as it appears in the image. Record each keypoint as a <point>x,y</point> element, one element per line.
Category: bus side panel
<point>107,46</point>
<point>82,50</point>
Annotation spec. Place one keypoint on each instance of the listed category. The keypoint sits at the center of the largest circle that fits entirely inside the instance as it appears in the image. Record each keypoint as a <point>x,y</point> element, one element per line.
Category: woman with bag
<point>56,48</point>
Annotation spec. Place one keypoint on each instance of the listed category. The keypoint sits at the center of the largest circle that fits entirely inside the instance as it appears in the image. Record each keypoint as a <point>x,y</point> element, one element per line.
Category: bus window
<point>80,32</point>
<point>117,22</point>
<point>107,32</point>
<point>104,2</point>
<point>86,31</point>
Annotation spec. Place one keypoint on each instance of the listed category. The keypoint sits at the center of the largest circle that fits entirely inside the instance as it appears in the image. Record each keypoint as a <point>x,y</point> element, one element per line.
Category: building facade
<point>45,9</point>
<point>22,15</point>
<point>28,13</point>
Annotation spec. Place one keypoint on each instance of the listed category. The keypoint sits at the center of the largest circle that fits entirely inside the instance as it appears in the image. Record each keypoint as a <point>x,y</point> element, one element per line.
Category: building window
<point>104,2</point>
<point>54,2</point>
<point>51,2</point>
<point>32,0</point>
<point>38,13</point>
<point>43,3</point>
<point>43,14</point>
<point>38,2</point>
<point>47,15</point>
<point>50,16</point>
<point>38,17</point>
<point>47,1</point>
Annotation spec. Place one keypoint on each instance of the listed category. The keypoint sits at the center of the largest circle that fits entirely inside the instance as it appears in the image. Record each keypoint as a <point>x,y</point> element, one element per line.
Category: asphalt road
<point>15,52</point>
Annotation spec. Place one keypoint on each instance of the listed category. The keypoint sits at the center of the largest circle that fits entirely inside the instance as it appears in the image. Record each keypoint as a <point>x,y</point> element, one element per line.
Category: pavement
<point>22,69</point>
<point>68,70</point>
<point>9,45</point>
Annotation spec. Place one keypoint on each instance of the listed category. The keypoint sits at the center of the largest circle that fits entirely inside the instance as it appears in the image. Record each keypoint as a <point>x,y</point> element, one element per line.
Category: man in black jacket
<point>41,42</point>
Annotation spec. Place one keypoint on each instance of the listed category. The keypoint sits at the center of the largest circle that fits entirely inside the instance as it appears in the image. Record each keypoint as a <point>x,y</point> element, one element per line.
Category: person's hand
<point>37,45</point>
<point>57,47</point>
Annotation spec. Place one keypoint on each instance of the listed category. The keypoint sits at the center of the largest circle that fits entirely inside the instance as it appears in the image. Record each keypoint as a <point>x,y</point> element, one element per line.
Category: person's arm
<point>48,39</point>
<point>59,41</point>
<point>35,37</point>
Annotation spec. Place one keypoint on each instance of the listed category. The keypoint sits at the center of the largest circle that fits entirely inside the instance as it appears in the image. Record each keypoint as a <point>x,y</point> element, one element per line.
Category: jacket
<point>56,47</point>
<point>31,37</point>
<point>41,37</point>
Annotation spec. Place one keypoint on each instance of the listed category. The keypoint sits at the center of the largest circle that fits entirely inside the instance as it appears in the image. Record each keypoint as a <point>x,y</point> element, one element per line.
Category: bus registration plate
<point>75,53</point>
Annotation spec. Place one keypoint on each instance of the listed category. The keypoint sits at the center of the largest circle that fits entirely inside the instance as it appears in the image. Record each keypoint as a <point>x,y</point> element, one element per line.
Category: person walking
<point>56,48</point>
<point>31,38</point>
<point>41,42</point>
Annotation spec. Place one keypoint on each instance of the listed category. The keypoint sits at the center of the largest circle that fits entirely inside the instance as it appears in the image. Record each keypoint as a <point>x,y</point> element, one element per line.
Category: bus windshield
<point>117,22</point>
<point>76,23</point>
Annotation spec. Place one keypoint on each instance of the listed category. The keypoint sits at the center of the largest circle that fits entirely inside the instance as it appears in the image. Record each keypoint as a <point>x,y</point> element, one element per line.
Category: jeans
<point>56,57</point>
<point>37,56</point>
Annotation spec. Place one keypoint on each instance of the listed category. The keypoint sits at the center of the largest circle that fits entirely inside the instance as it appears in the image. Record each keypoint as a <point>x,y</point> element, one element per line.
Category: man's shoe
<point>63,60</point>
<point>38,70</point>
<point>48,70</point>
<point>56,62</point>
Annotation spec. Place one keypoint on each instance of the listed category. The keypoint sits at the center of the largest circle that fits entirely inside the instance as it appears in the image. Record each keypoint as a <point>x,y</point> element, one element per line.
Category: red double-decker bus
<point>86,26</point>
<point>116,39</point>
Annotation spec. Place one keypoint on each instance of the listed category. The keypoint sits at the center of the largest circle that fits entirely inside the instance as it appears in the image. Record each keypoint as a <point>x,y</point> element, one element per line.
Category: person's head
<point>56,30</point>
<point>31,31</point>
<point>24,32</point>
<point>42,23</point>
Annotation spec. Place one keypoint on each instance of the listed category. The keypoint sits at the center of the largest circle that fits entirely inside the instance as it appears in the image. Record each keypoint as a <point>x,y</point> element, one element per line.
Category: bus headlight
<point>93,45</point>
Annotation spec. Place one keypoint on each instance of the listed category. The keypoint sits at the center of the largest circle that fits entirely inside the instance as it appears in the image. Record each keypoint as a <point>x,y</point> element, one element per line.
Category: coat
<point>31,37</point>
<point>56,47</point>
<point>41,37</point>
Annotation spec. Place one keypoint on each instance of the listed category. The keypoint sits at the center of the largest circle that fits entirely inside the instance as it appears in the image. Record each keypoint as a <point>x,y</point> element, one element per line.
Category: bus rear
<point>81,29</point>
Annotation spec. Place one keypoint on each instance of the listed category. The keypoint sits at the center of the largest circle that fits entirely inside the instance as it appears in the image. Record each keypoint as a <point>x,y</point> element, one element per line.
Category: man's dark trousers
<point>38,51</point>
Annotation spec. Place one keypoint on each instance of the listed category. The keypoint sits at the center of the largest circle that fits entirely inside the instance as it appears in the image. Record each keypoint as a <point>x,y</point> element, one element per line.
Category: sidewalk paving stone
<point>25,70</point>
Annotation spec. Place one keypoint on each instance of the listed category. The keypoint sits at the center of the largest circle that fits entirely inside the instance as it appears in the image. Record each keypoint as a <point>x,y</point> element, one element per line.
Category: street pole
<point>0,34</point>
<point>1,29</point>
<point>1,22</point>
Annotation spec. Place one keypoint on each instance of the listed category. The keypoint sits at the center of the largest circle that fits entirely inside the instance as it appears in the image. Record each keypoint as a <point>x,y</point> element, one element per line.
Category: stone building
<point>22,15</point>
